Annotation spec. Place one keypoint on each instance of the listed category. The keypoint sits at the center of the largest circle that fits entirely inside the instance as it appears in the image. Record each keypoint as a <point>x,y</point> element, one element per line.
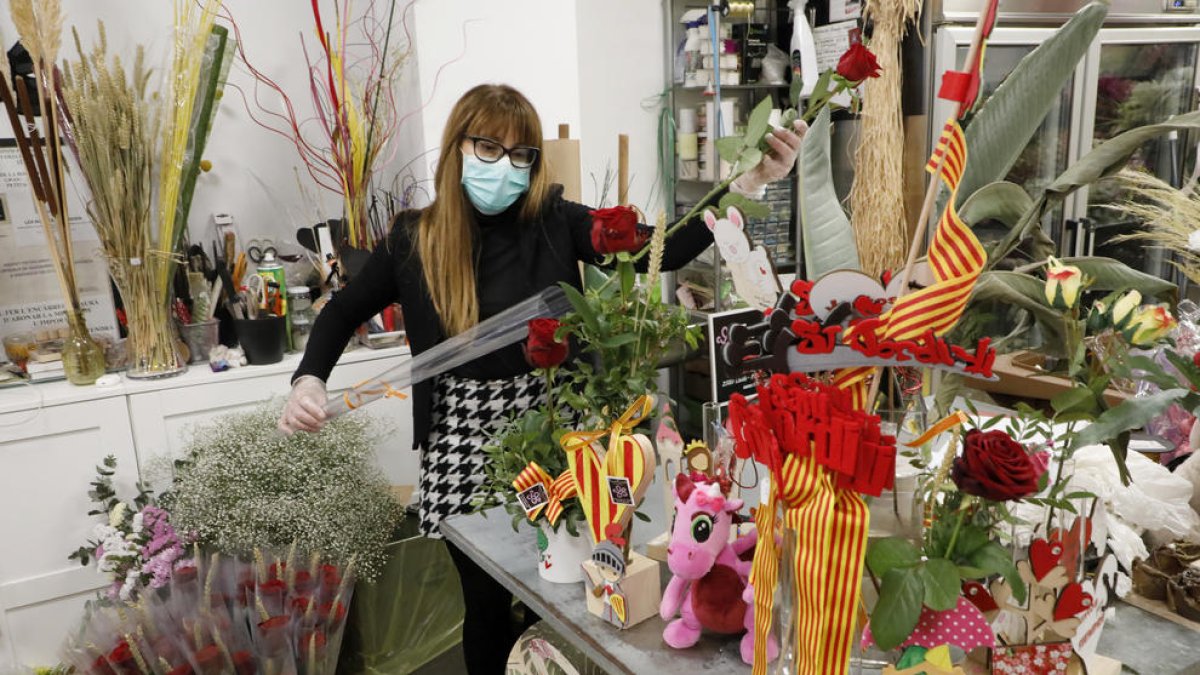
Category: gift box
<point>1051,658</point>
<point>624,600</point>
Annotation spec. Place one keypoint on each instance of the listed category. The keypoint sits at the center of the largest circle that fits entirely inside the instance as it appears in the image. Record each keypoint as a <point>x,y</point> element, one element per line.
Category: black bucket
<point>263,340</point>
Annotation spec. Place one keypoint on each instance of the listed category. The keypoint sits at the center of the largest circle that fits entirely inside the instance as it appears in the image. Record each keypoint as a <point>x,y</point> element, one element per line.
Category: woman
<point>497,233</point>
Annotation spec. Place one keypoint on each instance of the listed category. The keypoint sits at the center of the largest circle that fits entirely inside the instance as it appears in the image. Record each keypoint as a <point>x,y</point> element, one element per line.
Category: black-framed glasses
<point>490,152</point>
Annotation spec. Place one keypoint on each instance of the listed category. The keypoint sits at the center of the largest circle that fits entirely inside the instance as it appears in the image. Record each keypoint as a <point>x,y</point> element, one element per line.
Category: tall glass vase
<point>151,347</point>
<point>83,358</point>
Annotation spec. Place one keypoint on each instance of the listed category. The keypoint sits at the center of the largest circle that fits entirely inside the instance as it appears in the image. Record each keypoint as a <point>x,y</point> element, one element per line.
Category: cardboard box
<point>636,595</point>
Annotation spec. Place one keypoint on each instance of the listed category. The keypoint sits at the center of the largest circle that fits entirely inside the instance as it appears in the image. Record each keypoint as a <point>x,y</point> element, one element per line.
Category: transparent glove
<point>777,161</point>
<point>305,409</point>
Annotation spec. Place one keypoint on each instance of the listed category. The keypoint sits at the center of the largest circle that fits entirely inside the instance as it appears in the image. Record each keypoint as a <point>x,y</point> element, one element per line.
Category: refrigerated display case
<point>1142,68</point>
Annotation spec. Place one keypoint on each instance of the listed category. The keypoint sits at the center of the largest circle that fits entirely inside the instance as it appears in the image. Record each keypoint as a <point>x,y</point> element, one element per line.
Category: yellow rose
<point>1063,283</point>
<point>1150,325</point>
<point>1125,308</point>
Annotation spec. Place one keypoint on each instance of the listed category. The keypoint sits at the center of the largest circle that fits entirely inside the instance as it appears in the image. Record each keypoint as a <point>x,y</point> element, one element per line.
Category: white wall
<point>589,63</point>
<point>252,176</point>
<point>621,56</point>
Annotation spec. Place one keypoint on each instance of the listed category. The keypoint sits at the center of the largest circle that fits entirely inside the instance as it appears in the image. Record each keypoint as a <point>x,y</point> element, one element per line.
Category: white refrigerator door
<point>1135,76</point>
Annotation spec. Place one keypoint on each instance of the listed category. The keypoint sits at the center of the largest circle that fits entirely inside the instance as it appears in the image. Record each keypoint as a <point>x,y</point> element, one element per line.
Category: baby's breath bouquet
<point>242,486</point>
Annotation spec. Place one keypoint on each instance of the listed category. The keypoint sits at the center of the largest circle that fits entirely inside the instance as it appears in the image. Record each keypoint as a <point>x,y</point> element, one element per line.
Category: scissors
<point>258,249</point>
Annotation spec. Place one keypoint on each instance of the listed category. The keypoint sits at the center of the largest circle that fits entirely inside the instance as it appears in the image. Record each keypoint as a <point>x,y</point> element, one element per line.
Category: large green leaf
<point>995,559</point>
<point>899,607</point>
<point>1112,275</point>
<point>890,553</point>
<point>1110,156</point>
<point>1023,291</point>
<point>1104,160</point>
<point>942,584</point>
<point>1002,201</point>
<point>828,238</point>
<point>1011,115</point>
<point>1114,425</point>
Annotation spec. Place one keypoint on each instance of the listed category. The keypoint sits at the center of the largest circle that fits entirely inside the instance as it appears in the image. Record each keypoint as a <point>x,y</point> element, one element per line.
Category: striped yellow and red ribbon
<point>557,490</point>
<point>827,531</point>
<point>624,457</point>
<point>955,256</point>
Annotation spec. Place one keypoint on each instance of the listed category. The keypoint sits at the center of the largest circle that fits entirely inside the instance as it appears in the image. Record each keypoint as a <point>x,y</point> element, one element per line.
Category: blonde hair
<point>444,233</point>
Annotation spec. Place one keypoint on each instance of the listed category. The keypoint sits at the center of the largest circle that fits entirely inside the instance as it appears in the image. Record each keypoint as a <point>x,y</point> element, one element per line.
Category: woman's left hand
<point>777,161</point>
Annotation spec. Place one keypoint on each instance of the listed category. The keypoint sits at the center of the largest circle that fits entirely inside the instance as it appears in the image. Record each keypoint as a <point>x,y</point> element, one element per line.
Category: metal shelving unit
<point>682,194</point>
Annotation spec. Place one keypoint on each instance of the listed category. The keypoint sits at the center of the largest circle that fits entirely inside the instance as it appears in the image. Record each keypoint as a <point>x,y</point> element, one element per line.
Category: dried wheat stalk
<point>1171,217</point>
<point>877,198</point>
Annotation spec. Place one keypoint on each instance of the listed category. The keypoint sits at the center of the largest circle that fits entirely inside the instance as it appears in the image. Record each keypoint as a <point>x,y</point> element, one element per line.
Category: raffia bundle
<point>877,198</point>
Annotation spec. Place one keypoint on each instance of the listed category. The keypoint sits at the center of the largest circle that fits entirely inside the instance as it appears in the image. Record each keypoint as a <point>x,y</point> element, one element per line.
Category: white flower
<point>1194,241</point>
<point>137,523</point>
<point>117,515</point>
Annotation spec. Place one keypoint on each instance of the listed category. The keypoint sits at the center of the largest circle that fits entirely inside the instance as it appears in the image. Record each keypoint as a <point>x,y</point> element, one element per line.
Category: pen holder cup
<point>200,337</point>
<point>263,340</point>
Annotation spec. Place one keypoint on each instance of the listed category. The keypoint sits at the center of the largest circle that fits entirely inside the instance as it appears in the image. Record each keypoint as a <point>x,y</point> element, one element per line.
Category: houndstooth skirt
<point>466,413</point>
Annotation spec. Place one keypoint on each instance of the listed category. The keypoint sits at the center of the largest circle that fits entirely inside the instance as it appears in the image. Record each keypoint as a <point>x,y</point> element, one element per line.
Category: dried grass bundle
<point>877,197</point>
<point>113,138</point>
<point>40,30</point>
<point>1171,217</point>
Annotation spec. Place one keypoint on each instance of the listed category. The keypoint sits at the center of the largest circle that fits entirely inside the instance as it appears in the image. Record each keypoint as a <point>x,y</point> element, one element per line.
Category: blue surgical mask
<point>494,187</point>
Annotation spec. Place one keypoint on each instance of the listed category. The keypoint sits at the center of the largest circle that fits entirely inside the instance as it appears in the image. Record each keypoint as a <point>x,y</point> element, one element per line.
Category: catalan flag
<point>955,256</point>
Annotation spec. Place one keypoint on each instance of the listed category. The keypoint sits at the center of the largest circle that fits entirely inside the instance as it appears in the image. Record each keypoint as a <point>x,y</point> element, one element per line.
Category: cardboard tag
<point>533,497</point>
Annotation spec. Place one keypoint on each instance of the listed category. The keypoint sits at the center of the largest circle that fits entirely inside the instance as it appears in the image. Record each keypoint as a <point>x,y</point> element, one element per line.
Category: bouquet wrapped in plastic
<point>275,615</point>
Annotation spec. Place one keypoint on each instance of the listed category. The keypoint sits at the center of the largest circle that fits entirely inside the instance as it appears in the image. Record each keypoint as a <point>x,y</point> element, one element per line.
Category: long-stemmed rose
<point>995,467</point>
<point>617,230</point>
<point>1150,325</point>
<point>546,352</point>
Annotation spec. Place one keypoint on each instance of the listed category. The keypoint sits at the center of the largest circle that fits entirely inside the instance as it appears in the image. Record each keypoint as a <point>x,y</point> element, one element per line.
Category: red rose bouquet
<point>222,615</point>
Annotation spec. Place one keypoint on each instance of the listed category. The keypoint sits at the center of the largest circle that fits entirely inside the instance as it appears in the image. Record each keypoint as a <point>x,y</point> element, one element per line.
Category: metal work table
<point>1143,642</point>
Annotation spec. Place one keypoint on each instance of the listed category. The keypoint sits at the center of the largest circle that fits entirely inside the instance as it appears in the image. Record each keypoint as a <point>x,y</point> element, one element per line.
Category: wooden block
<point>640,591</point>
<point>562,160</point>
<point>657,548</point>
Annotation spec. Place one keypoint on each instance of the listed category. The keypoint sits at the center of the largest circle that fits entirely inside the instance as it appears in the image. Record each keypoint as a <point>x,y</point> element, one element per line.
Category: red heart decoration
<point>979,596</point>
<point>867,306</point>
<point>1043,557</point>
<point>1073,541</point>
<point>1072,601</point>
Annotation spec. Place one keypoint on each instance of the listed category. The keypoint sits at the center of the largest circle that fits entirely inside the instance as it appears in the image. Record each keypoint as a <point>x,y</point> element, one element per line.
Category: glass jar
<point>83,358</point>
<point>301,313</point>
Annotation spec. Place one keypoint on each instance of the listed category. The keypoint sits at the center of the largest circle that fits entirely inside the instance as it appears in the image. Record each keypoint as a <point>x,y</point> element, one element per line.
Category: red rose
<point>541,349</point>
<point>329,613</point>
<point>995,467</point>
<point>312,639</point>
<point>1196,359</point>
<point>209,659</point>
<point>272,587</point>
<point>243,663</point>
<point>858,63</point>
<point>616,230</point>
<point>121,656</point>
<point>331,577</point>
<point>184,668</point>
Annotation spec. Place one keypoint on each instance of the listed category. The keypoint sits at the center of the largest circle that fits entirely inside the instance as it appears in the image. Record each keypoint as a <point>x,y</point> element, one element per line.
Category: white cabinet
<point>53,435</point>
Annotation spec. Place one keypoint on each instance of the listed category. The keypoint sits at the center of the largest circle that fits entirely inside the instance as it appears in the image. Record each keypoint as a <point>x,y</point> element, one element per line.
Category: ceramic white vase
<point>560,555</point>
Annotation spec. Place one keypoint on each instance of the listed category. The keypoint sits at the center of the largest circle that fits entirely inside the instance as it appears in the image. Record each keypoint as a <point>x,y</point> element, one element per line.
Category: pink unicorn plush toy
<point>709,577</point>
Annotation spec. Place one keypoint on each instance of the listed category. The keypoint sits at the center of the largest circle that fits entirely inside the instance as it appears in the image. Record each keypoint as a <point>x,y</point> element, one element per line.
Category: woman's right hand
<point>305,409</point>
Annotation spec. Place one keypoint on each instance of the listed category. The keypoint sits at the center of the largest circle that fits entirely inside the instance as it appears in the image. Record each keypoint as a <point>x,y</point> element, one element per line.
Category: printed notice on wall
<point>30,295</point>
<point>831,42</point>
<point>841,10</point>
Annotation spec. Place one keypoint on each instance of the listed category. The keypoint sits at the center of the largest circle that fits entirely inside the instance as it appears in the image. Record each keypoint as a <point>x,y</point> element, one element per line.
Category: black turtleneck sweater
<point>514,260</point>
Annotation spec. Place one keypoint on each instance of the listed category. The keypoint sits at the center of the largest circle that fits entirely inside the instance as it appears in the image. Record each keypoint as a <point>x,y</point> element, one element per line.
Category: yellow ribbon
<point>353,397</point>
<point>627,422</point>
<point>945,424</point>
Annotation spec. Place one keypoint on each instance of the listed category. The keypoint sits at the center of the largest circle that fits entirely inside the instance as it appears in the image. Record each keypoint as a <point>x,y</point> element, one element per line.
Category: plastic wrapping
<point>411,614</point>
<point>501,330</point>
<point>278,614</point>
